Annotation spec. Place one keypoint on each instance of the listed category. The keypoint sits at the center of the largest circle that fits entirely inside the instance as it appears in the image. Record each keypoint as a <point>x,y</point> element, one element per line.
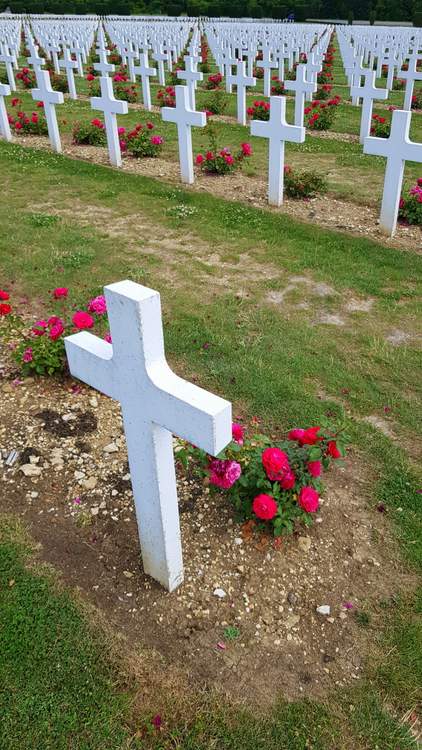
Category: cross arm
<point>191,412</point>
<point>90,359</point>
<point>376,146</point>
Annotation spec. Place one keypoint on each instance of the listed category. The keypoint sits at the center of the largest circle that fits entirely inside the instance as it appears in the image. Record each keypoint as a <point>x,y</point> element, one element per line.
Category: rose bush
<point>221,161</point>
<point>139,142</point>
<point>259,111</point>
<point>90,134</point>
<point>277,485</point>
<point>28,124</point>
<point>38,347</point>
<point>305,184</point>
<point>410,208</point>
<point>380,126</point>
<point>321,115</point>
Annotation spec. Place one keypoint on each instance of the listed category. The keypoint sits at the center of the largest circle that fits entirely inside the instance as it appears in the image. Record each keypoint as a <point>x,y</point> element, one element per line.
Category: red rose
<point>288,481</point>
<point>275,463</point>
<point>308,499</point>
<point>265,507</point>
<point>4,296</point>
<point>332,450</point>
<point>60,292</point>
<point>237,433</point>
<point>5,309</point>
<point>314,468</point>
<point>296,434</point>
<point>82,320</point>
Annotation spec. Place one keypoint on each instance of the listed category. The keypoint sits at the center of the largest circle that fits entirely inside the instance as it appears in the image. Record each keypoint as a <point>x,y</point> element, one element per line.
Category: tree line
<point>372,10</point>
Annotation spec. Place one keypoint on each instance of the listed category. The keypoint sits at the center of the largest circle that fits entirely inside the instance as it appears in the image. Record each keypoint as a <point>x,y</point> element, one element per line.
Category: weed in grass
<point>43,220</point>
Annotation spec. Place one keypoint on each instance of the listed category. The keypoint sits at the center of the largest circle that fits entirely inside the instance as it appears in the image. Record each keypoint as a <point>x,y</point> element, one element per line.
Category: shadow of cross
<point>155,404</point>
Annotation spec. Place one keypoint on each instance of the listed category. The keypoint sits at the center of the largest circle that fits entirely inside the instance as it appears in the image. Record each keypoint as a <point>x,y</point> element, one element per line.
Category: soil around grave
<point>324,211</point>
<point>80,510</point>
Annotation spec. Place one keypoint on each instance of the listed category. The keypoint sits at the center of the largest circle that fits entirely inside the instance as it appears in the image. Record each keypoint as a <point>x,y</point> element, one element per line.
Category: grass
<point>60,687</point>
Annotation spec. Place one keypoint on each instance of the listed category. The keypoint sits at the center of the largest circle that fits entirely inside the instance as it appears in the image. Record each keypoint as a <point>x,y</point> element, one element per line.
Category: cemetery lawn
<point>292,323</point>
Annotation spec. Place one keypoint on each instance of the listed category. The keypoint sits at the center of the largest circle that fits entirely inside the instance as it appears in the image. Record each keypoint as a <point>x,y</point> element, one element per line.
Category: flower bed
<point>213,81</point>
<point>321,115</point>
<point>29,124</point>
<point>139,142</point>
<point>277,86</point>
<point>166,97</point>
<point>380,127</point>
<point>90,134</point>
<point>26,78</point>
<point>410,209</point>
<point>221,161</point>
<point>275,485</point>
<point>259,111</point>
<point>39,349</point>
<point>304,184</point>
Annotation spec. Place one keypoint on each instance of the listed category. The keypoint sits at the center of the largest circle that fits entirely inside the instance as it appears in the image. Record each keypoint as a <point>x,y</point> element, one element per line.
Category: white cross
<point>312,70</point>
<point>77,50</point>
<point>69,65</point>
<point>397,149</point>
<point>185,118</point>
<point>155,404</point>
<point>190,75</point>
<point>268,65</point>
<point>4,120</point>
<point>241,81</point>
<point>145,72</point>
<point>228,62</point>
<point>8,59</point>
<point>44,93</point>
<point>368,92</point>
<point>103,67</point>
<point>277,130</point>
<point>159,58</point>
<point>411,75</point>
<point>36,61</point>
<point>302,89</point>
<point>110,106</point>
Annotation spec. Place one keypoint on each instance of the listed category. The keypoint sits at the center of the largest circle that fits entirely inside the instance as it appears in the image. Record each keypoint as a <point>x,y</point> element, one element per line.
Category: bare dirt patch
<point>80,509</point>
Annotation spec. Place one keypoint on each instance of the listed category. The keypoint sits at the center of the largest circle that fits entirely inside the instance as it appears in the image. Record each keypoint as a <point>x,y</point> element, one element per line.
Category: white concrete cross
<point>8,60</point>
<point>44,93</point>
<point>268,64</point>
<point>77,50</point>
<point>302,89</point>
<point>277,130</point>
<point>110,106</point>
<point>69,66</point>
<point>368,92</point>
<point>4,120</point>
<point>159,56</point>
<point>191,76</point>
<point>185,118</point>
<point>155,404</point>
<point>397,149</point>
<point>36,61</point>
<point>241,81</point>
<point>313,67</point>
<point>228,62</point>
<point>410,76</point>
<point>146,73</point>
<point>103,67</point>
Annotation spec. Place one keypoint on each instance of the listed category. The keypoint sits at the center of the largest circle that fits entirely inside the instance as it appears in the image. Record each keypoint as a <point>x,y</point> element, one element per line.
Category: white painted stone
<point>277,130</point>
<point>185,118</point>
<point>155,404</point>
<point>397,149</point>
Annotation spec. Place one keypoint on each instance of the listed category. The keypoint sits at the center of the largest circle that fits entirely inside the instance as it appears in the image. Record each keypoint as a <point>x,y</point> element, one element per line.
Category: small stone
<point>220,593</point>
<point>127,574</point>
<point>324,609</point>
<point>30,470</point>
<point>111,448</point>
<point>68,417</point>
<point>89,483</point>
<point>292,598</point>
<point>291,621</point>
<point>95,510</point>
<point>93,402</point>
<point>304,543</point>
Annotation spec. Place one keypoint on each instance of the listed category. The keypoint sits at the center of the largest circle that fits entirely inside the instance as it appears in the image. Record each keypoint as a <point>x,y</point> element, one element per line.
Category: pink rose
<point>82,320</point>
<point>107,338</point>
<point>156,140</point>
<point>224,473</point>
<point>60,292</point>
<point>199,159</point>
<point>246,149</point>
<point>275,463</point>
<point>39,328</point>
<point>237,433</point>
<point>98,305</point>
<point>314,468</point>
<point>309,499</point>
<point>265,507</point>
<point>27,355</point>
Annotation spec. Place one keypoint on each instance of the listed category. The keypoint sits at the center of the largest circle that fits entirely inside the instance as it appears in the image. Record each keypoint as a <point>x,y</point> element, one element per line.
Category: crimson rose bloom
<point>309,499</point>
<point>332,449</point>
<point>237,433</point>
<point>224,473</point>
<point>265,507</point>
<point>4,296</point>
<point>56,330</point>
<point>60,292</point>
<point>83,320</point>
<point>314,468</point>
<point>305,437</point>
<point>288,481</point>
<point>5,309</point>
<point>275,463</point>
